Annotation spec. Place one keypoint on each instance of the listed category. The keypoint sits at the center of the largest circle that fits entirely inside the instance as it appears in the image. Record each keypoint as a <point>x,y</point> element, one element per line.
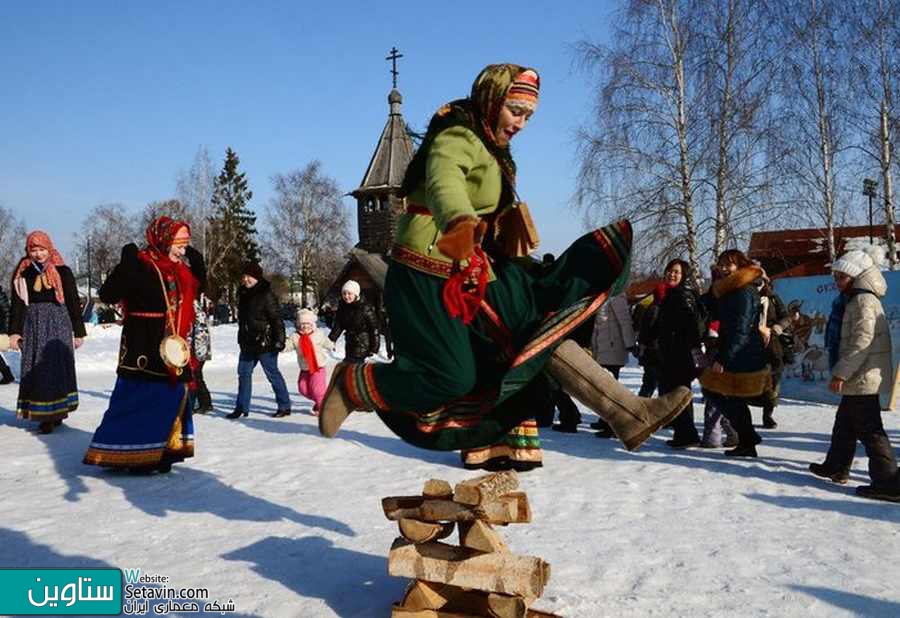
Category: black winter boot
<point>768,421</point>
<point>839,477</point>
<point>878,492</point>
<point>742,451</point>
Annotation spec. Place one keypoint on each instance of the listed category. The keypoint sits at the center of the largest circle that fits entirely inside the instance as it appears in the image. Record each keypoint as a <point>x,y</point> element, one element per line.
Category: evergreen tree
<point>232,230</point>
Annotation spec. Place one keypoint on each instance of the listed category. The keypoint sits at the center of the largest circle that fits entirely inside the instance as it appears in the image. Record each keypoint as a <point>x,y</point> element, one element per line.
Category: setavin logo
<point>133,576</point>
<point>37,592</point>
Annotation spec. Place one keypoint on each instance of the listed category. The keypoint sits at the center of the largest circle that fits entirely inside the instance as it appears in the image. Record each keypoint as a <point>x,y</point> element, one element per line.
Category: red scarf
<point>180,284</point>
<point>464,290</point>
<point>308,349</point>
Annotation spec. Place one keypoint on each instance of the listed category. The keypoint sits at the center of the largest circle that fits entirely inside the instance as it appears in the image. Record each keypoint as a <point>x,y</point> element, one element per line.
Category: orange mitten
<point>462,236</point>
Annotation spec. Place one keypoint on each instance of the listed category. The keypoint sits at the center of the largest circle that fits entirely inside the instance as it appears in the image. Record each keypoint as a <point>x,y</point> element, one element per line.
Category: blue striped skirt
<point>148,423</point>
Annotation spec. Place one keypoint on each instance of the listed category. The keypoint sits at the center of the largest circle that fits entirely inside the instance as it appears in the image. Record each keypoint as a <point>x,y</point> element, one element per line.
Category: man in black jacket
<point>261,338</point>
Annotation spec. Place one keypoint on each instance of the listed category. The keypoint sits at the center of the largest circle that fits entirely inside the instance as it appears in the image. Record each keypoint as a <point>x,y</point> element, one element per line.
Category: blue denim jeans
<point>246,365</point>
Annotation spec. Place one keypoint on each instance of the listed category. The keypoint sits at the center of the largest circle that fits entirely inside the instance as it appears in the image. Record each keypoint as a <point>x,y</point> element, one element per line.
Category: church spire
<point>395,99</point>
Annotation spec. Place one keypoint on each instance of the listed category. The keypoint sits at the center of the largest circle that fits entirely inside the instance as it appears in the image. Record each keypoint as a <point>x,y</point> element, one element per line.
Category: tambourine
<point>174,351</point>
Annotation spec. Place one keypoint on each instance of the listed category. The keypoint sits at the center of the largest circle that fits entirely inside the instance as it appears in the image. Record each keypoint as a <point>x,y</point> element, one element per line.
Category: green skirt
<point>456,386</point>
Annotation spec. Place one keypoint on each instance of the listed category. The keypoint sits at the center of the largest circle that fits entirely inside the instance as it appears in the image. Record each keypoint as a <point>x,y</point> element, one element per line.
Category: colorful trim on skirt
<point>148,423</point>
<point>359,385</point>
<point>522,445</point>
<point>46,411</point>
<point>591,270</point>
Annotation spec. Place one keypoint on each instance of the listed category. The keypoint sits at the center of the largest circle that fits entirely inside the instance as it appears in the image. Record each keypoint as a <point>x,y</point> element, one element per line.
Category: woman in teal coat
<point>472,330</point>
<point>740,372</point>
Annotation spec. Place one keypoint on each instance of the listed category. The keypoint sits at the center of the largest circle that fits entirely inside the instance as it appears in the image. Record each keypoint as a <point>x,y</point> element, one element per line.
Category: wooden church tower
<point>377,205</point>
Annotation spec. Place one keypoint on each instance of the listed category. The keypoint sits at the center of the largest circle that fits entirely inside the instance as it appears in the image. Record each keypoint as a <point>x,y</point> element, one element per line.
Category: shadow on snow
<point>351,583</point>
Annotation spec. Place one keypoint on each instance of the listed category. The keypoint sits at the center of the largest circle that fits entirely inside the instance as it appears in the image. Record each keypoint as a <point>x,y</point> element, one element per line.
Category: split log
<point>505,606</point>
<point>485,488</point>
<point>428,595</point>
<point>422,531</point>
<point>523,509</point>
<point>509,509</point>
<point>479,535</point>
<point>398,611</point>
<point>536,613</point>
<point>393,505</point>
<point>446,510</point>
<point>436,488</point>
<point>460,566</point>
<point>421,595</point>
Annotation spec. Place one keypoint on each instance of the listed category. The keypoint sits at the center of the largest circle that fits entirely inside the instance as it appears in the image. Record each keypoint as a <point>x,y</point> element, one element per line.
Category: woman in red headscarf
<point>46,326</point>
<point>148,425</point>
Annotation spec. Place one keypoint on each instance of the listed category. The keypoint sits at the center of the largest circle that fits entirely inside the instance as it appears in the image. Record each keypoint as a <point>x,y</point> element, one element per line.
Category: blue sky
<point>108,101</point>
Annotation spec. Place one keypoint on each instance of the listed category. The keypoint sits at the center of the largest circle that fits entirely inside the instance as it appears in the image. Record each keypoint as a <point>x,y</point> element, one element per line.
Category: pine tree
<point>232,230</point>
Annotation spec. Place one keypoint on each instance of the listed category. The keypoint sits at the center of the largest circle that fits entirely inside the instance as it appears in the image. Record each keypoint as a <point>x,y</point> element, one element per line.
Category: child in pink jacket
<point>312,346</point>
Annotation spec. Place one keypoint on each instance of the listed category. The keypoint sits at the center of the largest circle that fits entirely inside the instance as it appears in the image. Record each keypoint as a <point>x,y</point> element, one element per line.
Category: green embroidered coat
<point>461,179</point>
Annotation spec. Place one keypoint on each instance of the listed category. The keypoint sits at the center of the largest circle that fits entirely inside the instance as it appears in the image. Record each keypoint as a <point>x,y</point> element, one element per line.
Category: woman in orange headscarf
<point>148,425</point>
<point>46,325</point>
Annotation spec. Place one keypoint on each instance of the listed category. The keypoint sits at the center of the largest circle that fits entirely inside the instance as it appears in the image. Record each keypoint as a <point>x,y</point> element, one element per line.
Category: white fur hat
<point>853,263</point>
<point>352,287</point>
<point>305,316</point>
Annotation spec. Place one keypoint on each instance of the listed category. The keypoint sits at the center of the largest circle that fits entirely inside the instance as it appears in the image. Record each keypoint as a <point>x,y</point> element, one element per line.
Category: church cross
<point>393,58</point>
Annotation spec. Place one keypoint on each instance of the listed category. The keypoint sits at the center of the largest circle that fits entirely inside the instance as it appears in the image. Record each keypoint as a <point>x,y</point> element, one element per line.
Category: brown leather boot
<point>336,406</point>
<point>632,418</point>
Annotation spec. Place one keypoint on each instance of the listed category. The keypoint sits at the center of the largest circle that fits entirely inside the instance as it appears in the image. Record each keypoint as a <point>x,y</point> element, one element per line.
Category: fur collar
<point>740,278</point>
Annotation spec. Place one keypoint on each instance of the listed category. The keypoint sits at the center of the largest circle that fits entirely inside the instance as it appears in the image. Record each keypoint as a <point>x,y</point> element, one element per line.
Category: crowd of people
<point>486,342</point>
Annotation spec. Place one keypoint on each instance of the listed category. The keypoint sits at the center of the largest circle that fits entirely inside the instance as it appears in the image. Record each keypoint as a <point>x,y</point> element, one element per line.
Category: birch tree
<point>876,39</point>
<point>640,154</point>
<point>194,189</point>
<point>308,232</point>
<point>172,208</point>
<point>739,69</point>
<point>813,127</point>
<point>104,231</point>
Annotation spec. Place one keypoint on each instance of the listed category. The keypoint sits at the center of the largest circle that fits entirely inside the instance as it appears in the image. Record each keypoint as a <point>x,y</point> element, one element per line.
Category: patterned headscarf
<point>161,232</point>
<point>480,113</point>
<point>495,84</point>
<point>48,269</point>
<point>181,285</point>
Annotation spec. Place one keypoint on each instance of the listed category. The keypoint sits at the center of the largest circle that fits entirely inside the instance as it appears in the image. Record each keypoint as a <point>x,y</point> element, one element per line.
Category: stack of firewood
<point>478,577</point>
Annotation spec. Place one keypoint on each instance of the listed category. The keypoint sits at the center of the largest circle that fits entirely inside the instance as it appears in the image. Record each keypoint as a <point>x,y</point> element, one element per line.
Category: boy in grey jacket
<point>864,368</point>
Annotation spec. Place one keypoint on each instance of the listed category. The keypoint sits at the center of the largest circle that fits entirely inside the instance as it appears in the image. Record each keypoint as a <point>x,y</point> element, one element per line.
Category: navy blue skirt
<point>148,423</point>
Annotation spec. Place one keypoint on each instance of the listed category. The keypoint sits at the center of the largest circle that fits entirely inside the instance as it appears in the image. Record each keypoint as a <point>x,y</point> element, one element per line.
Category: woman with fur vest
<point>861,370</point>
<point>740,371</point>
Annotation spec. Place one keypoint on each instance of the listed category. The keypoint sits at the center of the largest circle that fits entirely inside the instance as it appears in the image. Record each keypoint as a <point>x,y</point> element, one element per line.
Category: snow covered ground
<point>287,523</point>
